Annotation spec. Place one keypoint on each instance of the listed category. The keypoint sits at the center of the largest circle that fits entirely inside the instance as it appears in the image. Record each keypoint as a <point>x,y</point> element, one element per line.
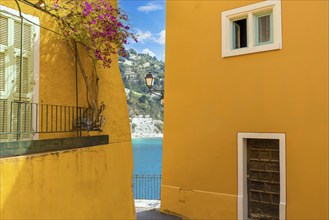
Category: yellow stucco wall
<point>209,99</point>
<point>88,183</point>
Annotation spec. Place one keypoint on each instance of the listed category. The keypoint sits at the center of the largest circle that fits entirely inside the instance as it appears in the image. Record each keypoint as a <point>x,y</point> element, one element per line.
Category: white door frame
<point>242,200</point>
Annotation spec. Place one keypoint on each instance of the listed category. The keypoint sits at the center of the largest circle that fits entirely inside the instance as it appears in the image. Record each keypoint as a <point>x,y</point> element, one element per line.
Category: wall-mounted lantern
<point>149,81</point>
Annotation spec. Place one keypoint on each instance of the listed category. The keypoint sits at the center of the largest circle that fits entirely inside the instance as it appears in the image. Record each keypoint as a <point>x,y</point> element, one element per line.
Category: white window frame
<point>12,13</point>
<point>250,11</point>
<point>242,200</point>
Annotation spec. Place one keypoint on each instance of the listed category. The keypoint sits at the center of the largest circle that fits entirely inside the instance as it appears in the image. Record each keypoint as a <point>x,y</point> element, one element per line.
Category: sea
<point>147,156</point>
<point>147,168</point>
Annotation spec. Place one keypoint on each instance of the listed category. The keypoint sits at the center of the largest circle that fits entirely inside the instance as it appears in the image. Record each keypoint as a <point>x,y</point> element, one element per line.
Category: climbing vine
<point>101,28</point>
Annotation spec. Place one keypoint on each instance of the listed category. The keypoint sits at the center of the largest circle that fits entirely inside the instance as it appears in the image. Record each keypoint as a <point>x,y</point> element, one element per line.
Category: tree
<point>142,99</point>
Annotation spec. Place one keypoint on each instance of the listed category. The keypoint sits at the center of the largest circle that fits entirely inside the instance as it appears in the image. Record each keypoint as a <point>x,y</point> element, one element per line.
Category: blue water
<point>147,168</point>
<point>147,156</point>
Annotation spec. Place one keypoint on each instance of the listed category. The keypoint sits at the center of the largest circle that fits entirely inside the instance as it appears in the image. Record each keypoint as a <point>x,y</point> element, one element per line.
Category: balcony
<point>27,128</point>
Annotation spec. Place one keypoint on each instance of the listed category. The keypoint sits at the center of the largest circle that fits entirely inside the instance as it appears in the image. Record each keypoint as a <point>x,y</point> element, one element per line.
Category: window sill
<point>249,50</point>
<point>23,148</point>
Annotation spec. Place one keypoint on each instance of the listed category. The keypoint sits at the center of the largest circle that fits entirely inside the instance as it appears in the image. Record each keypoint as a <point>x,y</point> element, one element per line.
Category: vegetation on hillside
<point>133,69</point>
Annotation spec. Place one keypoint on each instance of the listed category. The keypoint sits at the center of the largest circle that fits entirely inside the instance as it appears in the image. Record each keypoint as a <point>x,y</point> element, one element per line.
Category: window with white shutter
<point>13,85</point>
<point>3,48</point>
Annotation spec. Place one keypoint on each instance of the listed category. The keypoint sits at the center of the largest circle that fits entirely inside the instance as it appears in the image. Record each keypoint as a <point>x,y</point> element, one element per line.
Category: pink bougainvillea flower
<point>102,28</point>
<point>88,6</point>
<point>56,5</point>
<point>98,55</point>
<point>85,12</point>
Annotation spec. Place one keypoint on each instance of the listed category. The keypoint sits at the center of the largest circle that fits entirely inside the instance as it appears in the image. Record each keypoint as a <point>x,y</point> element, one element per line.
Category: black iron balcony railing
<point>19,120</point>
<point>147,187</point>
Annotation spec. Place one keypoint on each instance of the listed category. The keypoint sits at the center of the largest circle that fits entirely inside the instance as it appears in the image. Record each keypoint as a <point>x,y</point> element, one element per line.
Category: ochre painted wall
<point>209,99</point>
<point>89,183</point>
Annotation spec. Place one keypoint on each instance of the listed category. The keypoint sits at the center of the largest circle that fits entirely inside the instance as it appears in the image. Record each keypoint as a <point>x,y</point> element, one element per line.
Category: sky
<point>147,19</point>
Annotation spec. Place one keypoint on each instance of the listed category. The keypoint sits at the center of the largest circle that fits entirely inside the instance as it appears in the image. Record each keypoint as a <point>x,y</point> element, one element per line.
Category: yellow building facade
<point>246,113</point>
<point>82,183</point>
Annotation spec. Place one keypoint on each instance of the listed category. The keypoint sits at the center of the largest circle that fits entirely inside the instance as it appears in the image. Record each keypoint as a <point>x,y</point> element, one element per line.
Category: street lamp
<point>149,81</point>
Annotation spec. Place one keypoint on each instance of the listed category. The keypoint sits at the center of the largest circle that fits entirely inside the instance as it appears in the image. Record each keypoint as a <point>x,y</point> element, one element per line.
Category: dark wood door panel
<point>263,178</point>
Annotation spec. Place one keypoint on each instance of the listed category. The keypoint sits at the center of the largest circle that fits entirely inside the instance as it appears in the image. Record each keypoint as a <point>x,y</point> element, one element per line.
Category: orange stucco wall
<point>209,99</point>
<point>88,183</point>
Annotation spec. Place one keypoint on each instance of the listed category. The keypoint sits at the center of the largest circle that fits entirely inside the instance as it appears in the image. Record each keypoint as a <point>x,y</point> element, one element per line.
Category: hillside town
<point>145,109</point>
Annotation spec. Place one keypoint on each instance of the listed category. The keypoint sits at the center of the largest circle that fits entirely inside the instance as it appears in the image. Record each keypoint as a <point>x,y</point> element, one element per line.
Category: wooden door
<point>263,178</point>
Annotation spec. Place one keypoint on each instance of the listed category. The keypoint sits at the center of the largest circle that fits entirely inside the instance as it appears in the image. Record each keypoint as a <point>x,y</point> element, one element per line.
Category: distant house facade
<point>246,114</point>
<point>53,163</point>
<point>129,74</point>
